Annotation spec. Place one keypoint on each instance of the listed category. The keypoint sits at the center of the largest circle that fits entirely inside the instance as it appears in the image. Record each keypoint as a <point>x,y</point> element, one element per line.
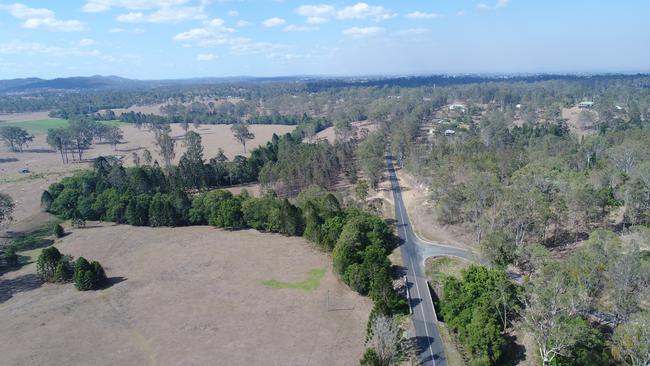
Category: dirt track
<point>183,296</point>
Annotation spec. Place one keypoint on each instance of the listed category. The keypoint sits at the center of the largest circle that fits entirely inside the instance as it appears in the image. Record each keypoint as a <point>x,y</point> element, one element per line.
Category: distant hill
<point>311,83</point>
<point>70,83</point>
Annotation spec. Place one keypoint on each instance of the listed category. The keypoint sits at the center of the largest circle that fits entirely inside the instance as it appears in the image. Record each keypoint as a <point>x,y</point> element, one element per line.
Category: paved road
<point>424,318</point>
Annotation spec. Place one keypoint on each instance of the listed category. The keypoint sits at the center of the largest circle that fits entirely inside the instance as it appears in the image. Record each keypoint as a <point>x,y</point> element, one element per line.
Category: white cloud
<point>299,28</point>
<point>421,15</point>
<point>413,31</point>
<point>164,15</point>
<point>86,42</point>
<point>273,22</point>
<point>317,14</point>
<point>216,34</point>
<point>20,47</point>
<point>98,6</point>
<point>460,13</point>
<point>361,32</point>
<point>363,11</point>
<point>499,4</point>
<point>233,13</point>
<point>116,30</point>
<point>243,23</point>
<point>42,18</point>
<point>205,57</point>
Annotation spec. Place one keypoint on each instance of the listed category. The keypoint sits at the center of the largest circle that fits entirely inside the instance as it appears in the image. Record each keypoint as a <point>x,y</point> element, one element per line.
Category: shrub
<point>88,276</point>
<point>64,270</point>
<point>11,258</point>
<point>58,231</point>
<point>370,358</point>
<point>46,264</point>
<point>46,201</point>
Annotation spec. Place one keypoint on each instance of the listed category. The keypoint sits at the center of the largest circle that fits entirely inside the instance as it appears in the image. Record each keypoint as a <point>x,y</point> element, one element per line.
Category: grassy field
<point>182,296</point>
<point>440,267</point>
<point>310,284</point>
<point>40,127</point>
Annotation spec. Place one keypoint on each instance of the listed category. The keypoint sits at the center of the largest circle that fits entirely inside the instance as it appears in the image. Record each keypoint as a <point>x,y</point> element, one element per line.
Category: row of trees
<point>78,137</point>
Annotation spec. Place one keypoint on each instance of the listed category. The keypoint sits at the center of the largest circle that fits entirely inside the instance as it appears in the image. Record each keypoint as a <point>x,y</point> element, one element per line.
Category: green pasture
<point>310,284</point>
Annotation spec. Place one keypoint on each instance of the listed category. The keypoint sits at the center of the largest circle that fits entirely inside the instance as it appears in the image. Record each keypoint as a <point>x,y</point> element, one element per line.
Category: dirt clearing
<point>184,296</point>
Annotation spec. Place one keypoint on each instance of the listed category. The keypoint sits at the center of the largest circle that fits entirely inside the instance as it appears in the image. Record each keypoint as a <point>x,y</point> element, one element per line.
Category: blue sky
<point>152,39</point>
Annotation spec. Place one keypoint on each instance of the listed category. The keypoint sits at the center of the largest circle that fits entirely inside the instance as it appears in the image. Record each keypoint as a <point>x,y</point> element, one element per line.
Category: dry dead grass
<point>24,116</point>
<point>183,296</point>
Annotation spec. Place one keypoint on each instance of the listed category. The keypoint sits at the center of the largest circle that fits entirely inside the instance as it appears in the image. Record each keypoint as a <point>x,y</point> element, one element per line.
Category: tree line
<point>359,241</point>
<point>81,133</point>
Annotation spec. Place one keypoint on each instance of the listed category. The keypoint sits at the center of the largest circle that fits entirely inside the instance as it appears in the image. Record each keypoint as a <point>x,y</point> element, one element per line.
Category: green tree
<point>15,137</point>
<point>88,276</point>
<point>59,139</point>
<point>631,341</point>
<point>166,144</point>
<point>361,190</point>
<point>114,136</point>
<point>229,214</point>
<point>191,163</point>
<point>161,211</point>
<point>46,201</point>
<point>58,231</point>
<point>549,313</point>
<point>241,133</point>
<point>371,158</point>
<point>46,264</point>
<point>64,270</point>
<point>137,210</point>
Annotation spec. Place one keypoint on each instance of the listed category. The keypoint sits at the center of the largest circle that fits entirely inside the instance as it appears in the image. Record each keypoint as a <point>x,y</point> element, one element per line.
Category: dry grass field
<point>45,164</point>
<point>185,296</point>
<point>24,116</point>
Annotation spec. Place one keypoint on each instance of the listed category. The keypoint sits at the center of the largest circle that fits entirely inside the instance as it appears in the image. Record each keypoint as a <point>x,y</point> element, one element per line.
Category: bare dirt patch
<point>577,126</point>
<point>420,211</point>
<point>329,134</point>
<point>184,296</point>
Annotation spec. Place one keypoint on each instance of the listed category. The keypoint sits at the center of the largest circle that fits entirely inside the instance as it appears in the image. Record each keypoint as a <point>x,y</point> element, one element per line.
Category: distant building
<point>518,106</point>
<point>432,131</point>
<point>457,107</point>
<point>450,132</point>
<point>585,104</point>
<point>618,108</point>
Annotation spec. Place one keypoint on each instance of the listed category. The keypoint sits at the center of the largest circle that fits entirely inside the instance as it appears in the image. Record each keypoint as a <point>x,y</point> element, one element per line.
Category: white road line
<point>417,288</point>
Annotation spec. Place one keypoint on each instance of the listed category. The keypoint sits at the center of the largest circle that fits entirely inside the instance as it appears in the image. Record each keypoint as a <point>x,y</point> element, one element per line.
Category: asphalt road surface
<point>414,251</point>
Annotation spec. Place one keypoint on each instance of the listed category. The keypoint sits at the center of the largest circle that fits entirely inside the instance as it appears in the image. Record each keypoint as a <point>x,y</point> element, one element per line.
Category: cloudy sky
<point>149,39</point>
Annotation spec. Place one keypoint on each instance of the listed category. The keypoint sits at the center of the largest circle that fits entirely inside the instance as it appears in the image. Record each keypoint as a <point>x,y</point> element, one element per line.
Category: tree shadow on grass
<point>24,283</point>
<point>110,281</point>
<point>513,352</point>
<point>6,268</point>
